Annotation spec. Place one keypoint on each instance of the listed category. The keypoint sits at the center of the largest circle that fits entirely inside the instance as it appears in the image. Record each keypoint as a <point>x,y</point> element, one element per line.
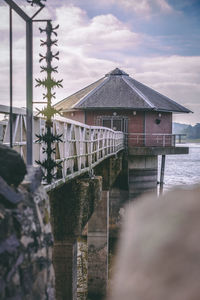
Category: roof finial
<point>115,72</point>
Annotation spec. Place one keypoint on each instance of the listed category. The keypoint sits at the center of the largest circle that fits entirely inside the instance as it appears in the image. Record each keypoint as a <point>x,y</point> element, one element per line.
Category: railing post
<point>11,79</point>
<point>29,91</point>
<point>164,141</point>
<point>162,172</point>
<point>21,134</point>
<point>114,135</point>
<point>90,149</point>
<point>64,150</point>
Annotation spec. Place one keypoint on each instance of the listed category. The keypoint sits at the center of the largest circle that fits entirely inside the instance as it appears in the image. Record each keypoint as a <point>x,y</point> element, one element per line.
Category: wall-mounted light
<point>114,114</point>
<point>159,115</point>
<point>134,113</point>
<point>72,114</point>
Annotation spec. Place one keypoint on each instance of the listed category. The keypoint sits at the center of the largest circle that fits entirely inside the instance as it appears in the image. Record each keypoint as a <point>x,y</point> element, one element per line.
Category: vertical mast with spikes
<point>49,83</point>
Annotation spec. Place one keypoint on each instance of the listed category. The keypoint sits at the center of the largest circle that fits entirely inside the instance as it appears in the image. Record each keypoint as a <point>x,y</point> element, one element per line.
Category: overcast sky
<point>157,42</point>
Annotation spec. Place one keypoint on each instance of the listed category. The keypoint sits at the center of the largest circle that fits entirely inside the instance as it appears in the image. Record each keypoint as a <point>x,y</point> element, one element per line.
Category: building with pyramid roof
<point>120,102</point>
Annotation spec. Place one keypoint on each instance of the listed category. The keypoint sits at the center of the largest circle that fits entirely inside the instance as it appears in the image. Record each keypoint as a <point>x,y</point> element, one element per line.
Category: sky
<point>157,42</point>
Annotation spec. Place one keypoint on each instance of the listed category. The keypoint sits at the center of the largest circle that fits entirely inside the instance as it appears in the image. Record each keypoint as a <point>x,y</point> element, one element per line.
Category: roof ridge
<point>139,93</point>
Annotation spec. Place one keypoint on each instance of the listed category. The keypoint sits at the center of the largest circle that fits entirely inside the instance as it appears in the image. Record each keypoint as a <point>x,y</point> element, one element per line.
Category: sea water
<point>182,169</point>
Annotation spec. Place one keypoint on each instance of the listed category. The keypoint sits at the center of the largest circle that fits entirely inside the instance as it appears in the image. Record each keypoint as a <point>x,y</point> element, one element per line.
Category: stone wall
<point>26,270</point>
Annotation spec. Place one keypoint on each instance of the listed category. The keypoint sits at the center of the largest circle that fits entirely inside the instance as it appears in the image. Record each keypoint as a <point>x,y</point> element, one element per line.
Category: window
<point>117,123</point>
<point>106,123</point>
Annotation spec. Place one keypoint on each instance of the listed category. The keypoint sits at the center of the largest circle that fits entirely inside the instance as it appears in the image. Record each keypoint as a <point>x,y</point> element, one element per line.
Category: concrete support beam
<point>118,198</point>
<point>98,249</point>
<point>71,207</point>
<point>143,172</point>
<point>109,169</point>
<point>65,266</point>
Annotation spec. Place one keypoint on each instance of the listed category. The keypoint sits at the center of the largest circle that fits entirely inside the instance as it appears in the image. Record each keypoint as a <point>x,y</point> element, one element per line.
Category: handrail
<point>153,139</point>
<point>83,146</point>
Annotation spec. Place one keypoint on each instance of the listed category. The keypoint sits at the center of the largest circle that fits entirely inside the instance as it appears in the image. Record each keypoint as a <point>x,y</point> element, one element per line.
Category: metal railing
<point>83,146</point>
<point>153,140</point>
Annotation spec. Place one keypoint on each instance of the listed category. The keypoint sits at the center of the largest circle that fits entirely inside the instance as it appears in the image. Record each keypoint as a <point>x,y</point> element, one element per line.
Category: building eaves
<point>161,102</point>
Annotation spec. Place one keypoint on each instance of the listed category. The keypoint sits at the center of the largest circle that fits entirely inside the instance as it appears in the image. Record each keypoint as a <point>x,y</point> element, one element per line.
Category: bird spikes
<point>49,29</point>
<point>51,137</point>
<point>49,164</point>
<point>49,69</point>
<point>52,95</point>
<point>36,2</point>
<point>49,83</point>
<point>49,56</point>
<point>49,43</point>
<point>48,112</point>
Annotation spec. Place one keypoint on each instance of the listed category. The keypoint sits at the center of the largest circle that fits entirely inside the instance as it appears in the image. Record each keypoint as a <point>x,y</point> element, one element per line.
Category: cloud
<point>92,46</point>
<point>144,8</point>
<point>101,33</point>
<point>174,76</point>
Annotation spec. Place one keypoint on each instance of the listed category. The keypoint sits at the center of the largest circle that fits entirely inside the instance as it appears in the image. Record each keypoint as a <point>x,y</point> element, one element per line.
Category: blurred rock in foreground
<point>12,166</point>
<point>26,270</point>
<point>159,251</point>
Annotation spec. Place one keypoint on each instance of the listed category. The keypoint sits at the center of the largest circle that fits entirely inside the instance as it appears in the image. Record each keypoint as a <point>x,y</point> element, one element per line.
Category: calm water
<point>182,169</point>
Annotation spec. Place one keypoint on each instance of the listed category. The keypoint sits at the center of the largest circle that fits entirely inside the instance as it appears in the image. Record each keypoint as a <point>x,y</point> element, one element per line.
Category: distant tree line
<point>192,132</point>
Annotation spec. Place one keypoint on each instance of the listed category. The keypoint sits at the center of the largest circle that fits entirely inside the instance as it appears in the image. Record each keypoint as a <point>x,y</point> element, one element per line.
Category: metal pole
<point>29,91</point>
<point>11,80</point>
<point>29,73</point>
<point>162,172</point>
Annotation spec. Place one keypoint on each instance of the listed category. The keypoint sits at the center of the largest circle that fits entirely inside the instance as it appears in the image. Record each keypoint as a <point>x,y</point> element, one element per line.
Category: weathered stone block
<point>72,205</point>
<point>25,244</point>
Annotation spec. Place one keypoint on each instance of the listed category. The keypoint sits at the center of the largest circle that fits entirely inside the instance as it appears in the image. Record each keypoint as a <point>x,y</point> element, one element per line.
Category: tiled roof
<point>71,101</point>
<point>119,91</point>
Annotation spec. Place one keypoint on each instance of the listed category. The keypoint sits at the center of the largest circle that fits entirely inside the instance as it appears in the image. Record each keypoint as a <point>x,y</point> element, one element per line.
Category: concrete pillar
<point>71,207</point>
<point>143,172</point>
<point>117,201</point>
<point>65,266</point>
<point>98,249</point>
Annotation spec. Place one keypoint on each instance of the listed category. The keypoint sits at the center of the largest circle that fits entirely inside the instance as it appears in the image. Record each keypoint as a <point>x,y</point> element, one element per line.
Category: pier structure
<point>112,134</point>
<point>121,103</point>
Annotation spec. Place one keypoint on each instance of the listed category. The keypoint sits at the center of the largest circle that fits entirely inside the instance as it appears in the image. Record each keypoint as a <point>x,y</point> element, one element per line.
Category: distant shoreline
<point>191,141</point>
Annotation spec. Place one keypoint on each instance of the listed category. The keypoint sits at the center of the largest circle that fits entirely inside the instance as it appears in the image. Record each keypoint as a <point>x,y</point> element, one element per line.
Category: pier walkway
<point>82,148</point>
